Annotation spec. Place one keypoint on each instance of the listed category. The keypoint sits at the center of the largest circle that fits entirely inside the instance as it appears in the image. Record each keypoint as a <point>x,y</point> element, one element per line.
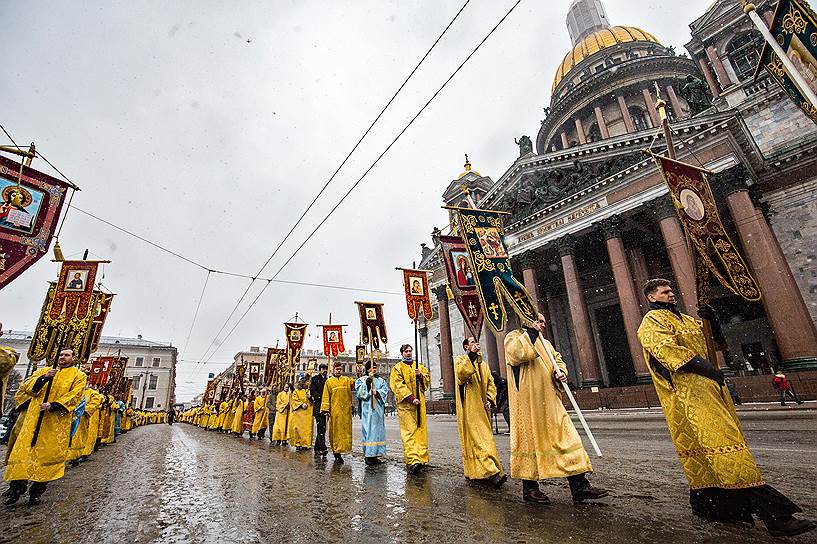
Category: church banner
<point>415,283</point>
<point>714,251</point>
<point>273,365</point>
<point>483,233</point>
<point>100,368</point>
<point>296,334</point>
<point>794,27</point>
<point>30,207</point>
<point>255,372</point>
<point>461,281</point>
<point>372,323</point>
<point>332,340</point>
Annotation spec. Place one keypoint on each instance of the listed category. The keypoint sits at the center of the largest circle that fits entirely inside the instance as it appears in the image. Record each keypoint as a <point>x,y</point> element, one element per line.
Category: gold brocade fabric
<point>475,386</point>
<point>260,420</point>
<point>337,400</point>
<point>403,383</point>
<point>88,426</point>
<point>238,416</point>
<point>544,442</point>
<point>109,421</point>
<point>279,428</point>
<point>700,414</point>
<point>300,419</point>
<point>46,460</point>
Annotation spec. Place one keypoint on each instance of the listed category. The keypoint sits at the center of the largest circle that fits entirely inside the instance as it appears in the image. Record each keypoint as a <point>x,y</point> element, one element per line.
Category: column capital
<point>527,260</point>
<point>731,180</point>
<point>611,227</point>
<point>663,208</point>
<point>567,245</point>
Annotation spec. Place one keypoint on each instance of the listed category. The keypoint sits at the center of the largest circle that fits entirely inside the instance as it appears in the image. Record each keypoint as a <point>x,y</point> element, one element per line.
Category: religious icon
<point>19,206</point>
<point>692,204</point>
<point>360,354</point>
<point>295,335</point>
<point>416,286</point>
<point>465,277</point>
<point>332,337</point>
<point>75,280</point>
<point>371,314</point>
<point>491,242</point>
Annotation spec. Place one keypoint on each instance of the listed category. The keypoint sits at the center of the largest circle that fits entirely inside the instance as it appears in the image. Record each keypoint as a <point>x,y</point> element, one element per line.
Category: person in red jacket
<point>784,388</point>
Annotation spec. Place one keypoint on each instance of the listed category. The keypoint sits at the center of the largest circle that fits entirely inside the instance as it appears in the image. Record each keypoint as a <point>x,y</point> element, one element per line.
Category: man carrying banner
<point>82,443</point>
<point>260,421</point>
<point>336,403</point>
<point>372,414</point>
<point>39,452</point>
<point>409,385</point>
<point>316,392</point>
<point>544,442</point>
<point>476,397</point>
<point>725,483</point>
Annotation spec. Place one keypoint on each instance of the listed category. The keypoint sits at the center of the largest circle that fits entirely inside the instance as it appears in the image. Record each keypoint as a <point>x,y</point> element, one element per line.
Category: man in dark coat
<point>316,392</point>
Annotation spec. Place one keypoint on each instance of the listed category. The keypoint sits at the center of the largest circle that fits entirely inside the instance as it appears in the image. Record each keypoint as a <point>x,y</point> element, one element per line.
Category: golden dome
<point>595,42</point>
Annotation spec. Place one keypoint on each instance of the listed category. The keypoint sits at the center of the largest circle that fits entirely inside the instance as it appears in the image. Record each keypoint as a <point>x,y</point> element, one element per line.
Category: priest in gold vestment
<point>724,480</point>
<point>44,461</point>
<point>409,383</point>
<point>300,417</point>
<point>280,428</point>
<point>260,420</point>
<point>544,442</point>
<point>336,403</point>
<point>476,397</point>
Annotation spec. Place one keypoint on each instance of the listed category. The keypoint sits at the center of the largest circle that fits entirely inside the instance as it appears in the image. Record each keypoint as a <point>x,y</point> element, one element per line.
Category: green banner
<point>795,28</point>
<point>482,232</point>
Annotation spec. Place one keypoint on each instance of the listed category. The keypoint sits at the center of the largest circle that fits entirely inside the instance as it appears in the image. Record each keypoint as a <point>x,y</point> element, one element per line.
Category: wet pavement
<point>183,484</point>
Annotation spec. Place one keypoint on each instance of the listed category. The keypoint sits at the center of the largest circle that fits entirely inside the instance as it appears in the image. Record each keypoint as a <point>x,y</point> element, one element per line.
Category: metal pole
<point>792,71</point>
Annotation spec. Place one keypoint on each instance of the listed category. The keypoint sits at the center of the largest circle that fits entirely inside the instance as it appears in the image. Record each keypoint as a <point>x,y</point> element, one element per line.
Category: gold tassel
<point>58,256</point>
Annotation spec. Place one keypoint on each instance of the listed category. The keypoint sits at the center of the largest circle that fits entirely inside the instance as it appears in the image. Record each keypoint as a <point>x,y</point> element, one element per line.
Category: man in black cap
<point>316,392</point>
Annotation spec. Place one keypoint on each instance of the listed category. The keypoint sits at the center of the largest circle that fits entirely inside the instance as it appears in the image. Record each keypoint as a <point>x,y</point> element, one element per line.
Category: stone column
<point>649,102</point>
<point>625,113</point>
<point>679,256</point>
<point>489,348</point>
<point>565,143</point>
<point>717,65</point>
<point>710,77</point>
<point>785,309</point>
<point>580,130</point>
<point>601,122</point>
<point>446,356</point>
<point>676,104</point>
<point>627,297</point>
<point>585,343</point>
<point>500,352</point>
<point>527,264</point>
<point>638,264</point>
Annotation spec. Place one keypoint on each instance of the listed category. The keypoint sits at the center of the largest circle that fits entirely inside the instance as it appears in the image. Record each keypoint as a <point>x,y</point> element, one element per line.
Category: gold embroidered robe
<point>300,419</point>
<point>280,428</point>
<point>337,401</point>
<point>403,383</point>
<point>260,420</point>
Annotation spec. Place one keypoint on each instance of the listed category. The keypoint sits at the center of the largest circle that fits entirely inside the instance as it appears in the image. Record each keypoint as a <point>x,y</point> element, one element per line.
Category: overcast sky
<point>208,126</point>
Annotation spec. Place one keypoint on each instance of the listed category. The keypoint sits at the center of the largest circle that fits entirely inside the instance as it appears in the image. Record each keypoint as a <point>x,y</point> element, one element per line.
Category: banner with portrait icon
<point>30,207</point>
<point>482,232</point>
<point>415,283</point>
<point>462,282</point>
<point>255,372</point>
<point>372,323</point>
<point>210,391</point>
<point>296,334</point>
<point>714,251</point>
<point>333,340</point>
<point>272,368</point>
<point>794,27</point>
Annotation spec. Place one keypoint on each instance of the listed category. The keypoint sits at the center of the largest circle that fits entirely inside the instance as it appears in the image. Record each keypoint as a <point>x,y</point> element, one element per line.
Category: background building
<point>152,365</point>
<point>590,216</point>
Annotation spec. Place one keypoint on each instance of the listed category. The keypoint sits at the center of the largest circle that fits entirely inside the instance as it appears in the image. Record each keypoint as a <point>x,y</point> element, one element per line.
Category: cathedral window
<point>593,133</point>
<point>744,53</point>
<point>640,119</point>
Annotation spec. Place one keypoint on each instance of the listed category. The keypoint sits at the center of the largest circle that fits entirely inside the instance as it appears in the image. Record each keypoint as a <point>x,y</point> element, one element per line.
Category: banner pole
<point>794,74</point>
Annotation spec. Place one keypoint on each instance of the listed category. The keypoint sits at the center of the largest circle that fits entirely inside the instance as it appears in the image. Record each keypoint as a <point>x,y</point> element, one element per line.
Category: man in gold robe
<point>280,429</point>
<point>724,480</point>
<point>41,461</point>
<point>260,421</point>
<point>409,383</point>
<point>300,417</point>
<point>8,358</point>
<point>85,438</point>
<point>475,397</point>
<point>336,404</point>
<point>238,415</point>
<point>109,437</point>
<point>544,442</point>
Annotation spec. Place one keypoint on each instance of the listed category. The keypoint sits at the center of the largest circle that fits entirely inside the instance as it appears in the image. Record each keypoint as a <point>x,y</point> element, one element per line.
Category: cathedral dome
<point>597,41</point>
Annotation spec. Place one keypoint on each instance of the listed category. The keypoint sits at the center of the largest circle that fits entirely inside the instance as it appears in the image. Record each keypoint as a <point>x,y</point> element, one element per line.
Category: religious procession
<point>613,339</point>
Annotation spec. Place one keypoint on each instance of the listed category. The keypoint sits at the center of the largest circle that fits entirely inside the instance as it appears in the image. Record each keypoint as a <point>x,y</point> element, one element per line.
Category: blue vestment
<point>372,418</point>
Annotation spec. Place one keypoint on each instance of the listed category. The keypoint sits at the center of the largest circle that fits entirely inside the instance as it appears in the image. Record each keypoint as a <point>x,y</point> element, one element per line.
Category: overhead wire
<point>365,173</point>
<point>331,178</point>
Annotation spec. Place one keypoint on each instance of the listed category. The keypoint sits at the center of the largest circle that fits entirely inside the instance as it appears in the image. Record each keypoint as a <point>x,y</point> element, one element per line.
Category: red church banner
<point>333,340</point>
<point>415,283</point>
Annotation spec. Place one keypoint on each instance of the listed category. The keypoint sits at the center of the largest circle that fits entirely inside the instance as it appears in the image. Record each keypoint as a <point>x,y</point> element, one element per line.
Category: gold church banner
<point>715,252</point>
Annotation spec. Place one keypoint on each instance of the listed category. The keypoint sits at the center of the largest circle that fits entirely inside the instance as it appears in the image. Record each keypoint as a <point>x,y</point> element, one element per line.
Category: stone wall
<point>777,124</point>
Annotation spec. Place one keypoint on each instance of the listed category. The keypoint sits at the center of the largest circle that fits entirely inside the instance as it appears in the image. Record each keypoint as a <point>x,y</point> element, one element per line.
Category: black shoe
<point>12,498</point>
<point>536,496</point>
<point>790,526</point>
<point>373,461</point>
<point>588,493</point>
<point>413,468</point>
<point>496,480</point>
<point>338,458</point>
<point>34,501</point>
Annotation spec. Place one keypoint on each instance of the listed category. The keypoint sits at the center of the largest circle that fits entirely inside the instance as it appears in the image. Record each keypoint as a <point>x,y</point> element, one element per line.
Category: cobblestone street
<point>183,484</point>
